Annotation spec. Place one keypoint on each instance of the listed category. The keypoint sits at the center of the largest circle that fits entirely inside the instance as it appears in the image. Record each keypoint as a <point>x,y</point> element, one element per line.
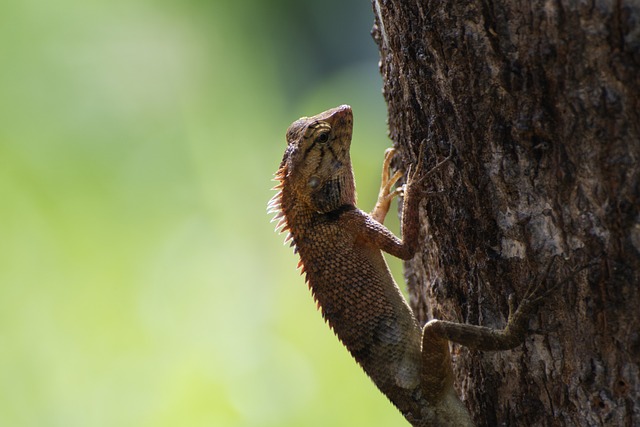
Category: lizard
<point>340,249</point>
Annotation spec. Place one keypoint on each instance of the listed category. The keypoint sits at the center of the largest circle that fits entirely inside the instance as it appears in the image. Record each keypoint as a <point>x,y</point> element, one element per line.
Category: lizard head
<point>316,168</point>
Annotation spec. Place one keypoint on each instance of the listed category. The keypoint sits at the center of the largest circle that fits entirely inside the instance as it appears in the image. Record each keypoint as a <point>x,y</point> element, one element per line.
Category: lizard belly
<point>363,305</point>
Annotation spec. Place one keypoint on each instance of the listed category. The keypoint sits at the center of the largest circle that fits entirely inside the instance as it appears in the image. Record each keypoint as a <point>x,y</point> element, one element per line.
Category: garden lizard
<point>340,249</point>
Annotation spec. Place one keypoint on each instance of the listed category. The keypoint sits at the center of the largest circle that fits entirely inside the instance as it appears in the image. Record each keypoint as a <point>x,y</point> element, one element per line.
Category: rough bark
<point>539,104</point>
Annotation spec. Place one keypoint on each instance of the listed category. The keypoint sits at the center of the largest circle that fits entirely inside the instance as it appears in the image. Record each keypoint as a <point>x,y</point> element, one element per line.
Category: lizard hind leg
<point>437,381</point>
<point>437,370</point>
<point>386,194</point>
<point>514,333</point>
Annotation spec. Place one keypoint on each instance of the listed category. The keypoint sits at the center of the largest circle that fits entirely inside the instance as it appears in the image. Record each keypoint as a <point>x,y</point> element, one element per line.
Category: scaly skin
<point>340,250</point>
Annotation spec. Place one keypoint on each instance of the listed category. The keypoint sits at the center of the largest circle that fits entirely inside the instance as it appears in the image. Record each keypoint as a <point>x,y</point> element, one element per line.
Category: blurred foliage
<point>141,283</point>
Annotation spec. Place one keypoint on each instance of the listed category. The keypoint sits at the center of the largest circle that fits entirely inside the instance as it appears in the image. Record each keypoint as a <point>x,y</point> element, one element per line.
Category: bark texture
<point>539,104</point>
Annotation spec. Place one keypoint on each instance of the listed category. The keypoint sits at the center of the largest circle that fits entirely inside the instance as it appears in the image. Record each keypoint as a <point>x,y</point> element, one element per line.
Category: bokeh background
<point>141,282</point>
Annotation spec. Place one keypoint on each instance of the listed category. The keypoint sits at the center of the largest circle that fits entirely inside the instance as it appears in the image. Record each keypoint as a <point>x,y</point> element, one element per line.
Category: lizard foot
<point>535,294</point>
<point>386,194</point>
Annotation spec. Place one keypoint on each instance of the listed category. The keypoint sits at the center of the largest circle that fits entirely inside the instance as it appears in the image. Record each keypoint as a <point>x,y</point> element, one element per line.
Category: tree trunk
<point>538,103</point>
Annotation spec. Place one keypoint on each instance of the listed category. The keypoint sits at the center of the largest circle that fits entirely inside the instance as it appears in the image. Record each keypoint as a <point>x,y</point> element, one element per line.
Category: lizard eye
<point>322,138</point>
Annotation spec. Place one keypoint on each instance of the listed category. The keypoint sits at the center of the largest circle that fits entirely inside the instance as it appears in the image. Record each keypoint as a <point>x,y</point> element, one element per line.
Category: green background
<point>141,282</point>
